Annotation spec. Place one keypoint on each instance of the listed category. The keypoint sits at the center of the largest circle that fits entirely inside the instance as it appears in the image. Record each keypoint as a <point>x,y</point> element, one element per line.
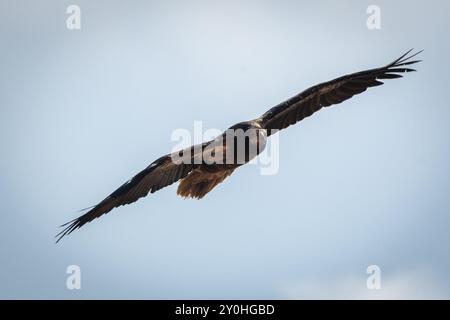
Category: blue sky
<point>362,183</point>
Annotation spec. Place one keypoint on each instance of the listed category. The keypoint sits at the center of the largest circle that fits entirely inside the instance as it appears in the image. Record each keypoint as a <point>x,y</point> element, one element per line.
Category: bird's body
<point>202,167</point>
<point>238,145</point>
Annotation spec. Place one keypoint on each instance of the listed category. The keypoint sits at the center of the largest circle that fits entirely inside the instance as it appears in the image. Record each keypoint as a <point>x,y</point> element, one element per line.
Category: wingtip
<point>402,56</point>
<point>69,227</point>
<point>69,222</point>
<point>87,208</point>
<point>405,58</point>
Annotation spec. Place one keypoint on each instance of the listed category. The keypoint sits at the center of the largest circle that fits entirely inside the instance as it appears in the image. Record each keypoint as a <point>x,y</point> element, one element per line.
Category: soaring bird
<point>198,168</point>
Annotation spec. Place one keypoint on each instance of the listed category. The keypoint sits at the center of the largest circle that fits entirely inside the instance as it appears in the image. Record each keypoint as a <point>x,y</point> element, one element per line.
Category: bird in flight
<point>202,167</point>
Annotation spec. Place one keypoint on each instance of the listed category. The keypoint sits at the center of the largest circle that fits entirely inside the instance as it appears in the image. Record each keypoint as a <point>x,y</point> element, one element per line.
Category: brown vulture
<point>199,171</point>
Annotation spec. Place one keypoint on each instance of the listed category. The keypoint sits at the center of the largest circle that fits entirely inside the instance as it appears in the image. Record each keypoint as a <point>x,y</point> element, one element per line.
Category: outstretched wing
<point>159,174</point>
<point>332,92</point>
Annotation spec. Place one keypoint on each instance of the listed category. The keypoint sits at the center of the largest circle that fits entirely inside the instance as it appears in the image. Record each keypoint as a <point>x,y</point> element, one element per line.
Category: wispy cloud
<point>415,283</point>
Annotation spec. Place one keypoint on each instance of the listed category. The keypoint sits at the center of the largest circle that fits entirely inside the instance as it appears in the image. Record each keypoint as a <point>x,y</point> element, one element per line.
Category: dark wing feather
<point>332,92</point>
<point>159,174</point>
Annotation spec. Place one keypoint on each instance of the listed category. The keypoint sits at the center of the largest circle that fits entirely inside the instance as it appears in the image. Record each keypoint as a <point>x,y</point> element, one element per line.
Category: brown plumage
<point>199,182</point>
<point>200,177</point>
